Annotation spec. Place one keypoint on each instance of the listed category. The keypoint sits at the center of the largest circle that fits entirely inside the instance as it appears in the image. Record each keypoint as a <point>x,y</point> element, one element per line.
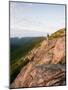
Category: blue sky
<point>32,19</point>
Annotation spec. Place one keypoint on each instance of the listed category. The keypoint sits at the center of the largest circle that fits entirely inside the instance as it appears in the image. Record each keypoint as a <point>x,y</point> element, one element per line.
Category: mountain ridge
<point>50,53</point>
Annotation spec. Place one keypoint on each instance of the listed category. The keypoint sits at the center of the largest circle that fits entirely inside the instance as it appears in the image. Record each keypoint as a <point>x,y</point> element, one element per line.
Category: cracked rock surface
<point>46,66</point>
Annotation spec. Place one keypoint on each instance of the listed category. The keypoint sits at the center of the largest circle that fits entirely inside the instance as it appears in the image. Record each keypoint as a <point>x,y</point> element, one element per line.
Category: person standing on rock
<point>47,36</point>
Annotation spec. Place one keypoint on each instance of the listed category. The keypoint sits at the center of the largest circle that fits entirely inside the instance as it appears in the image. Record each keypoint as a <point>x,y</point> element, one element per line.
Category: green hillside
<point>57,34</point>
<point>18,49</point>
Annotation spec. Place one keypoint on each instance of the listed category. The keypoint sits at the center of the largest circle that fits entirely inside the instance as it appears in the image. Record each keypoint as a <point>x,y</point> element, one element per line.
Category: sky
<point>33,19</point>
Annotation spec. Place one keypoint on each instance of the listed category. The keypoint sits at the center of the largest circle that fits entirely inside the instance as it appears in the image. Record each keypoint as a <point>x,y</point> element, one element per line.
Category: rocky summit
<point>47,64</point>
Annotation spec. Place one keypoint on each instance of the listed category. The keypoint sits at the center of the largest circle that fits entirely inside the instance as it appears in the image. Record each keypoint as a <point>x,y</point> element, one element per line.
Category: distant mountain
<point>20,41</point>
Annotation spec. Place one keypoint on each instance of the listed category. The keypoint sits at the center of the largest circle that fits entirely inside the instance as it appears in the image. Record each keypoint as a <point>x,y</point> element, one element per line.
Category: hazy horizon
<point>33,19</point>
